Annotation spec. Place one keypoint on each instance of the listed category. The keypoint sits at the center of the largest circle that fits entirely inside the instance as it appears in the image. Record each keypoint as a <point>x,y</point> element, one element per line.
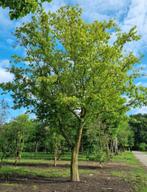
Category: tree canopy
<point>20,8</point>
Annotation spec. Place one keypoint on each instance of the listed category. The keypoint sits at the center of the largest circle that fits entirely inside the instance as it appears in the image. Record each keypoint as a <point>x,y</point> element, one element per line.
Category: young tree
<point>56,144</point>
<point>72,72</point>
<point>6,142</point>
<point>13,137</point>
<point>98,141</point>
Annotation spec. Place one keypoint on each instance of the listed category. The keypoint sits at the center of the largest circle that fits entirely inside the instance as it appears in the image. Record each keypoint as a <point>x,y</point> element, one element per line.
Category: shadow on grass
<point>16,178</point>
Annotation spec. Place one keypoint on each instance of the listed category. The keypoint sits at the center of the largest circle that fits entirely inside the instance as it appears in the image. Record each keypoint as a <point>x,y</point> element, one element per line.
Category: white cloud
<point>142,110</point>
<point>5,76</point>
<point>137,16</point>
<point>93,10</point>
<point>102,9</point>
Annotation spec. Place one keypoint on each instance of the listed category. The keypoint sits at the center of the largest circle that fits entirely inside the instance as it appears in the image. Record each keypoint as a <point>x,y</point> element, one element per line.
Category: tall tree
<point>73,72</point>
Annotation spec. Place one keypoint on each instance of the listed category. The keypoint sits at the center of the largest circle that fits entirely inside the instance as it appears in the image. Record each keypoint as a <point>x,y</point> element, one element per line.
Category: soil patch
<point>95,183</point>
<point>101,181</point>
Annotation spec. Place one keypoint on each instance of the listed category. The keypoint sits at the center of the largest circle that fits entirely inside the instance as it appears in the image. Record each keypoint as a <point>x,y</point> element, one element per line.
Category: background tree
<point>3,111</point>
<point>97,141</point>
<point>74,74</point>
<point>13,137</point>
<point>138,125</point>
<point>6,142</point>
<point>35,135</point>
<point>56,144</point>
<point>125,135</point>
<point>3,117</point>
<point>19,128</point>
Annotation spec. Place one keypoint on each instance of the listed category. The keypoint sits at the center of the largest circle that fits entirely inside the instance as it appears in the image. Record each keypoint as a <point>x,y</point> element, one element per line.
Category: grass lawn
<point>36,171</point>
<point>136,173</point>
<point>48,156</point>
<point>123,171</point>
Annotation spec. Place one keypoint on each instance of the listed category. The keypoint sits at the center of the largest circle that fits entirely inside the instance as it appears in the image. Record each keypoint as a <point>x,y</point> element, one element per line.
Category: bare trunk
<point>74,158</point>
<point>74,166</point>
<point>36,147</point>
<point>55,159</point>
<point>116,146</point>
<point>18,157</point>
<point>1,160</point>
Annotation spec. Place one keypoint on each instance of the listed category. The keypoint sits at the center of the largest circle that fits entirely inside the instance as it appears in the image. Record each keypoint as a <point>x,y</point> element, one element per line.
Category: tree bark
<point>36,147</point>
<point>74,157</point>
<point>116,146</point>
<point>55,158</point>
<point>18,156</point>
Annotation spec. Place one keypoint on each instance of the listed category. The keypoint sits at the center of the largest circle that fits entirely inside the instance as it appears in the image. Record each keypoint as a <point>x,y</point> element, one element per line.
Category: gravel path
<point>142,157</point>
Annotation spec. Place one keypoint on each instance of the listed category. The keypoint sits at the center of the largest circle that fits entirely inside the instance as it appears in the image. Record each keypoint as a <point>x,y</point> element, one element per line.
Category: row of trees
<point>75,78</point>
<point>25,135</point>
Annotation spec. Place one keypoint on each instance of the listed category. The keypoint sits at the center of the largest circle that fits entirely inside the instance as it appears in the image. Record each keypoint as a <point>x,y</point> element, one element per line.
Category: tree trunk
<point>55,161</point>
<point>36,147</point>
<point>1,160</point>
<point>116,146</point>
<point>111,148</point>
<point>74,157</point>
<point>74,166</point>
<point>18,157</point>
<point>55,158</point>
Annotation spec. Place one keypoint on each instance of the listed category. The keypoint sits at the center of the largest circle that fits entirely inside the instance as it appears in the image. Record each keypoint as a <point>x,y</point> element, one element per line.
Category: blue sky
<point>126,13</point>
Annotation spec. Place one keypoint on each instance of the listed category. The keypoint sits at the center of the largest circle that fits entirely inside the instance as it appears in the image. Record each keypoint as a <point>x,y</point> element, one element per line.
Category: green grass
<point>40,158</point>
<point>44,158</point>
<point>136,173</point>
<point>29,161</point>
<point>48,156</point>
<point>126,157</point>
<point>9,171</point>
<point>51,172</point>
<point>41,162</point>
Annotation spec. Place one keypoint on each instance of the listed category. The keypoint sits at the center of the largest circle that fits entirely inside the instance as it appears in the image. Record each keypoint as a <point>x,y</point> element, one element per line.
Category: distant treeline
<point>25,135</point>
<point>138,125</point>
